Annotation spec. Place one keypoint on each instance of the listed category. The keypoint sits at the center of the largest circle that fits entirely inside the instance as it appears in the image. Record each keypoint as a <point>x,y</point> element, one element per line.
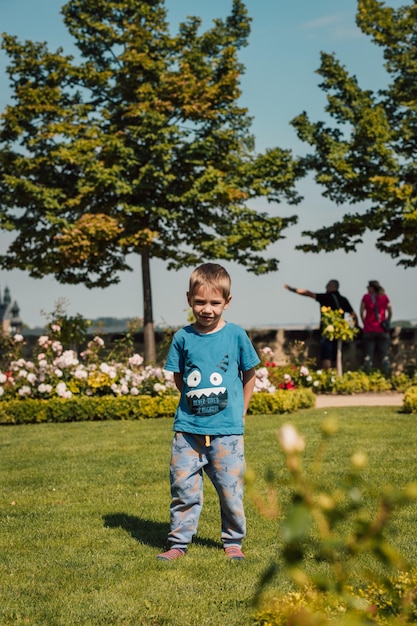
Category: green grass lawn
<point>85,509</point>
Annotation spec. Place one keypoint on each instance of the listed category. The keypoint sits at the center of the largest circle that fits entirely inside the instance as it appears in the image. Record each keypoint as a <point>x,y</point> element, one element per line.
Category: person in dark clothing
<point>333,299</point>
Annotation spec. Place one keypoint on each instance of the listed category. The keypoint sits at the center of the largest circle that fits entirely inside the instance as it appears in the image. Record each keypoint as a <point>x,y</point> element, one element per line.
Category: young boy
<point>214,369</point>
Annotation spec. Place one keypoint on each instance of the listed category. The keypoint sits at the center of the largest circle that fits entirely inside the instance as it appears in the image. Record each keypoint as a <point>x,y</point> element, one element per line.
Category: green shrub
<point>401,382</point>
<point>378,382</point>
<point>326,535</point>
<point>352,382</point>
<point>281,401</point>
<point>84,408</point>
<point>323,381</point>
<point>410,400</point>
<point>393,603</point>
<point>17,412</point>
<point>361,382</point>
<point>290,376</point>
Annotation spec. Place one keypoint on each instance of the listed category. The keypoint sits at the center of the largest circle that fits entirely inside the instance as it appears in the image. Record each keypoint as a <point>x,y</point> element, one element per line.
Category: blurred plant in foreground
<point>327,535</point>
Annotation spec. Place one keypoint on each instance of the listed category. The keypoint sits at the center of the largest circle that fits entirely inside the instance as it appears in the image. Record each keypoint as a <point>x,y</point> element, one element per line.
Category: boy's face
<point>208,305</point>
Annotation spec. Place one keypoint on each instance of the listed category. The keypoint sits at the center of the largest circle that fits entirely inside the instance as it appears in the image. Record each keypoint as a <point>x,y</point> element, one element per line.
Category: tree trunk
<point>148,325</point>
<point>339,366</point>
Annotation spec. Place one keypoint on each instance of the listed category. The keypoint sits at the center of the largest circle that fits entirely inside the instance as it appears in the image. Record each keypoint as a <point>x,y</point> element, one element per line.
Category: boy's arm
<point>178,379</point>
<point>249,379</point>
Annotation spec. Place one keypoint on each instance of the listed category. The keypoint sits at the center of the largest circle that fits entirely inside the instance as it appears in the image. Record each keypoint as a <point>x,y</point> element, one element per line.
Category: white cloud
<point>321,22</point>
<point>339,27</point>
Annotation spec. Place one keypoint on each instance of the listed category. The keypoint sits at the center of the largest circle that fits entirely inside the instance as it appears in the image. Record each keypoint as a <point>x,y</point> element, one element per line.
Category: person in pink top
<point>376,314</point>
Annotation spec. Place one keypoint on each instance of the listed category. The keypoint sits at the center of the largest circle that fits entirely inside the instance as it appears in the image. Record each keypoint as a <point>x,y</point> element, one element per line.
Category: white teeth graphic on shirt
<point>206,401</point>
<point>207,391</point>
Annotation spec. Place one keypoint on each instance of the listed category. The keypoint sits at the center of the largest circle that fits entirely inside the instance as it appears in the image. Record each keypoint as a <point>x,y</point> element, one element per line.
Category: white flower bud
<point>290,440</point>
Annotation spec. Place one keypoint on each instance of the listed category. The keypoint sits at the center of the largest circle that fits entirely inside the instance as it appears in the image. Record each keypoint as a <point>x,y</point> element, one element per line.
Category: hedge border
<point>83,408</point>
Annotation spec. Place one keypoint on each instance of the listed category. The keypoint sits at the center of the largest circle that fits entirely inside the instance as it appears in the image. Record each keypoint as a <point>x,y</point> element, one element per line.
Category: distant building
<point>10,321</point>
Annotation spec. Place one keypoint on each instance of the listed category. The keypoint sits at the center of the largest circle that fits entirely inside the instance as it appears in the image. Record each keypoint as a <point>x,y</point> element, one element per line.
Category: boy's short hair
<point>210,275</point>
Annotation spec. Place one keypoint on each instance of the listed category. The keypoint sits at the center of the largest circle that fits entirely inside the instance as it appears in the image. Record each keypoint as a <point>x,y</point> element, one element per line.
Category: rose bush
<point>300,374</point>
<point>56,372</point>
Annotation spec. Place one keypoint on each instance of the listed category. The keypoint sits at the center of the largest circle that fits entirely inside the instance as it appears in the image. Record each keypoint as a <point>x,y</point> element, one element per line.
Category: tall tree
<point>367,154</point>
<point>138,145</point>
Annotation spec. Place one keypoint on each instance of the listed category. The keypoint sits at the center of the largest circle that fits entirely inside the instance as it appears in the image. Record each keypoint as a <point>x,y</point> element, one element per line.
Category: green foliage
<point>392,603</point>
<point>71,331</point>
<point>290,377</point>
<point>410,400</point>
<point>324,381</point>
<point>84,408</point>
<point>10,349</point>
<point>117,151</point>
<point>87,409</point>
<point>326,531</point>
<point>354,382</point>
<point>365,155</point>
<point>378,382</point>
<point>124,347</point>
<point>299,373</point>
<point>281,401</point>
<point>335,326</point>
<point>401,381</point>
<point>361,382</point>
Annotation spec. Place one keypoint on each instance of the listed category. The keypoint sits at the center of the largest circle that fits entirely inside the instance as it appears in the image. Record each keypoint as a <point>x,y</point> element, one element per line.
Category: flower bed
<point>58,385</point>
<point>56,372</point>
<point>299,375</point>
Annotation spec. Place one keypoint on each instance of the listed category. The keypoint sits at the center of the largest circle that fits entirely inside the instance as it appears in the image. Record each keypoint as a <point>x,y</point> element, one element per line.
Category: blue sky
<point>279,83</point>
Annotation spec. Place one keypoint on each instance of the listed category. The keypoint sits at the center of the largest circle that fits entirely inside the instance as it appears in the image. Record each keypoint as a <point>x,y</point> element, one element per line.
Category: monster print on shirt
<point>207,396</point>
<point>211,368</point>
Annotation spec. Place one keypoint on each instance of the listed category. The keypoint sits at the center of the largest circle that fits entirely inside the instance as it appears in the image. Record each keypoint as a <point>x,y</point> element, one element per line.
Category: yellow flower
<point>335,326</point>
<point>99,379</point>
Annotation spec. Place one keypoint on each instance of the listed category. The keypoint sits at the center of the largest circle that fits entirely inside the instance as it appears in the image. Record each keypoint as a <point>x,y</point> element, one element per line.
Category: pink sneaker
<point>171,554</point>
<point>234,553</point>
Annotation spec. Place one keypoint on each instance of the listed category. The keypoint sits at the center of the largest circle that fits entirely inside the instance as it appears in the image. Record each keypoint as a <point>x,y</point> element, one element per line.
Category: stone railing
<point>402,352</point>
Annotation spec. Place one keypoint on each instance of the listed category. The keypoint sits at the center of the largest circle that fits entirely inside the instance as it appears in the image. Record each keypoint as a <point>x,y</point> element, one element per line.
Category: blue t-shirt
<point>212,364</point>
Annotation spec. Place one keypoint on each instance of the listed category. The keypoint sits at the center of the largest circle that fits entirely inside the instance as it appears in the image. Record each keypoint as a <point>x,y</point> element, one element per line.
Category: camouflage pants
<point>224,463</point>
